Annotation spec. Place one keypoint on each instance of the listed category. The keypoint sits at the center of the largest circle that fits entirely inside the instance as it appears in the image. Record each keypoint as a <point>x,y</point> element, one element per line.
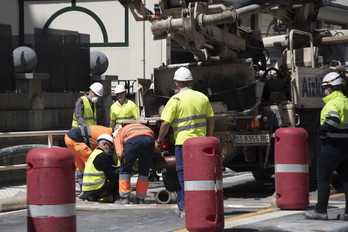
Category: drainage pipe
<point>13,203</point>
<point>165,197</point>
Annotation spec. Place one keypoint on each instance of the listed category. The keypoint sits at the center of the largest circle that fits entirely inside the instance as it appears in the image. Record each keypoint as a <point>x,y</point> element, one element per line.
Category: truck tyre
<point>314,147</point>
<point>263,174</point>
<point>170,180</point>
<point>310,122</point>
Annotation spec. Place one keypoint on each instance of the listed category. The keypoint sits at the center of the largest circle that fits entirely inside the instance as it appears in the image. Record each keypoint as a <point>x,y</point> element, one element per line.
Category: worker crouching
<point>81,141</point>
<point>134,141</point>
<point>100,180</point>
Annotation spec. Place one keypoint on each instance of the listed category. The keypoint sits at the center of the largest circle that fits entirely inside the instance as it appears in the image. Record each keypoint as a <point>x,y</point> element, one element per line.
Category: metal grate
<point>65,56</point>
<point>7,81</point>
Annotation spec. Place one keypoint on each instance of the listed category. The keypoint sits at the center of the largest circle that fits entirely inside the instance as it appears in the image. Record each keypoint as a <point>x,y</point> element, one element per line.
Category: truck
<point>255,84</point>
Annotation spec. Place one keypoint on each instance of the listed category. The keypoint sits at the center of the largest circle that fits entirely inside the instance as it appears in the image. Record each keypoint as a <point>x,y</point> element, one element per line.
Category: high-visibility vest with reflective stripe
<point>127,111</point>
<point>187,112</point>
<point>89,115</point>
<point>89,134</point>
<point>93,179</point>
<point>130,131</point>
<point>96,131</point>
<point>336,106</point>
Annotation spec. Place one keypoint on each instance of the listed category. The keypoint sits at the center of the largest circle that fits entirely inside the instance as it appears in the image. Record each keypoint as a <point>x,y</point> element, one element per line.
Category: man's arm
<point>112,123</point>
<point>162,133</point>
<point>79,107</point>
<point>210,125</point>
<point>103,163</point>
<point>329,126</point>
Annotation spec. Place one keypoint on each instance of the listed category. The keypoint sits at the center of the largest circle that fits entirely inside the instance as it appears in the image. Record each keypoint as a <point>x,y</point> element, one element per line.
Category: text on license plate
<point>251,138</point>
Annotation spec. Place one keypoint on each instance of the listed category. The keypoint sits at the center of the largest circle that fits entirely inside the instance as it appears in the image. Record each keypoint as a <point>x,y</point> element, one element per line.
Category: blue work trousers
<point>180,172</point>
<point>139,147</point>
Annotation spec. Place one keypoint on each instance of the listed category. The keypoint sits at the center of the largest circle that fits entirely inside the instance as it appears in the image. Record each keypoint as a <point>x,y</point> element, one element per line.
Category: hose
<point>19,149</point>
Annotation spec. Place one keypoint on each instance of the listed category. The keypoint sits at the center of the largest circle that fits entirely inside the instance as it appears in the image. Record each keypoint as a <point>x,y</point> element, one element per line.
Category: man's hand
<point>158,144</point>
<point>162,133</point>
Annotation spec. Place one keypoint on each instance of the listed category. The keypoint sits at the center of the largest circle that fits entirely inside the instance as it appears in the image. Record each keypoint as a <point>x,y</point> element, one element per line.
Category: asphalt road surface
<point>248,207</point>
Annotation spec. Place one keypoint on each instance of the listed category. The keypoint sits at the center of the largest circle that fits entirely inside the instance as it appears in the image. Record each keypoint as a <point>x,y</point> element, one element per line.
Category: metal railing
<point>49,135</point>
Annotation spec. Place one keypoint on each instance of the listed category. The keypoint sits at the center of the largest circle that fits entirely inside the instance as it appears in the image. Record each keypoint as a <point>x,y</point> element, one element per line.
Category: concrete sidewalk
<point>14,196</point>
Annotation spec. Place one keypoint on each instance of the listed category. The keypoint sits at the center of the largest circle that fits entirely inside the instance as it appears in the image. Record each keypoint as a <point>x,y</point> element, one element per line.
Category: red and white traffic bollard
<point>204,207</point>
<point>291,168</point>
<point>51,190</point>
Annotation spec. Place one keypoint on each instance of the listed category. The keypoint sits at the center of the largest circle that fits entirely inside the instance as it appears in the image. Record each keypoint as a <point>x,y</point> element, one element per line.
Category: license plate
<point>243,139</point>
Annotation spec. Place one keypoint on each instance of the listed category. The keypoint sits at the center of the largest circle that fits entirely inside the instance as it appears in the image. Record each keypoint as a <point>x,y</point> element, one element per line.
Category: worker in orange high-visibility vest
<point>132,142</point>
<point>82,141</point>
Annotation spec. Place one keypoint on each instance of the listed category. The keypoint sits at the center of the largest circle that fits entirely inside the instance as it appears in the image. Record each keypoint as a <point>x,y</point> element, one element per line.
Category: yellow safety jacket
<point>89,115</point>
<point>187,112</point>
<point>336,106</point>
<point>93,179</point>
<point>127,111</point>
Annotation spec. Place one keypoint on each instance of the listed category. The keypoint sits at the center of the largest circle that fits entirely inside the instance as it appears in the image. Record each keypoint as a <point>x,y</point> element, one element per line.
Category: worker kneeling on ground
<point>100,180</point>
<point>134,141</point>
<point>81,141</point>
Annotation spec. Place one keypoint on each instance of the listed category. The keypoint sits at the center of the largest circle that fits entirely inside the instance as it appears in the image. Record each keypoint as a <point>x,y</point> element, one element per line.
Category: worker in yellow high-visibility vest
<point>85,113</point>
<point>190,114</point>
<point>123,109</point>
<point>100,180</point>
<point>82,141</point>
<point>334,153</point>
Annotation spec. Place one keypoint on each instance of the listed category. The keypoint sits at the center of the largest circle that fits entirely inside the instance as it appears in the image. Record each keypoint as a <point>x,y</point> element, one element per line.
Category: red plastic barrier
<point>291,168</point>
<point>51,190</point>
<point>204,206</point>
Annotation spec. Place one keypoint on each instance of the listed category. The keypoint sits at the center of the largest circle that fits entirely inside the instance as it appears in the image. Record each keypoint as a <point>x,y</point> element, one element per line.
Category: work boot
<point>315,215</point>
<point>180,212</point>
<point>343,217</point>
<point>116,198</point>
<point>87,196</point>
<point>83,196</point>
<point>124,201</point>
<point>140,201</point>
<point>107,199</point>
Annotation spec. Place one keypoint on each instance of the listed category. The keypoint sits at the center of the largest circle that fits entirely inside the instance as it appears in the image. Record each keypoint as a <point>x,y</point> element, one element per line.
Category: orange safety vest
<point>91,133</point>
<point>130,131</point>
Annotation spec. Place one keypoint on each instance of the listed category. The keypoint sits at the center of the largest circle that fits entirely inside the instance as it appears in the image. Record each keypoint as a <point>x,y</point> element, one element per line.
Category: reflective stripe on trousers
<point>124,185</point>
<point>142,186</point>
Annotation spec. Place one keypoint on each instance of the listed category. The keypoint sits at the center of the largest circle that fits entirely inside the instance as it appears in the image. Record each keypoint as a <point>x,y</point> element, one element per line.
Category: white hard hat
<point>332,78</point>
<point>106,137</point>
<point>120,89</point>
<point>97,88</point>
<point>183,74</point>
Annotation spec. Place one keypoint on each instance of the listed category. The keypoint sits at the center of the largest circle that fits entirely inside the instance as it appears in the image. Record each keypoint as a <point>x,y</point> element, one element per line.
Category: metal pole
<point>50,140</point>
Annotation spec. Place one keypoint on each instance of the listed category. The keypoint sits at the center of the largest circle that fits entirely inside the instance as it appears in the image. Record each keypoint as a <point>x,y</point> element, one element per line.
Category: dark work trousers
<point>180,171</point>
<point>110,187</point>
<point>327,164</point>
<point>139,147</point>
